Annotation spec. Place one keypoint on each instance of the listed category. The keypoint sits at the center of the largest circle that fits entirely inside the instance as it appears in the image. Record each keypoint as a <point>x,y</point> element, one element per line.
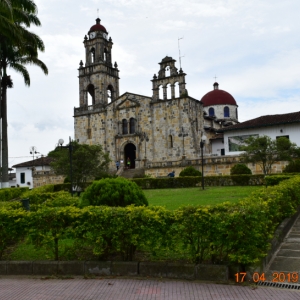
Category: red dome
<point>217,97</point>
<point>98,27</point>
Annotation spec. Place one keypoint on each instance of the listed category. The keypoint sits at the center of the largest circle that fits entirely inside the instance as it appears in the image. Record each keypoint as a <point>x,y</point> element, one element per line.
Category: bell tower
<point>98,77</point>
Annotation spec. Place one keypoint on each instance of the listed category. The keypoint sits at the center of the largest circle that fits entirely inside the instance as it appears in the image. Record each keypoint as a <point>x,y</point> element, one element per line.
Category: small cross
<point>215,78</point>
<point>98,12</point>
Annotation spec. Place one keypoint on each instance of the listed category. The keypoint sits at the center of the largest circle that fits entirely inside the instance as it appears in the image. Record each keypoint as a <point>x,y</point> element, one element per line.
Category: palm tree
<point>16,54</point>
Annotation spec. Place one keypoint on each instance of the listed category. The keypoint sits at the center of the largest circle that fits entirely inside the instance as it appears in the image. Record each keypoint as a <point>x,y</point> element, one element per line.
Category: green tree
<point>293,167</point>
<point>16,52</point>
<point>114,192</point>
<point>88,162</point>
<point>240,169</point>
<point>265,152</point>
<point>189,171</point>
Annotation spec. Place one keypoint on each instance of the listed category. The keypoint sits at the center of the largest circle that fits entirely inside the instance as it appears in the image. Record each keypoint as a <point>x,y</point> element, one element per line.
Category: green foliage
<point>265,151</point>
<point>88,162</point>
<point>114,192</point>
<point>189,171</point>
<point>49,225</point>
<point>12,193</point>
<point>240,169</point>
<point>12,227</point>
<point>276,179</point>
<point>292,167</point>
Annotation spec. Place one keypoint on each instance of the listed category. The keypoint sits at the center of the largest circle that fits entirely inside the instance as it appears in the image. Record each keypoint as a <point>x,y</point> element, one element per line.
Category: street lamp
<point>33,151</point>
<point>202,142</point>
<point>60,142</point>
<point>146,139</point>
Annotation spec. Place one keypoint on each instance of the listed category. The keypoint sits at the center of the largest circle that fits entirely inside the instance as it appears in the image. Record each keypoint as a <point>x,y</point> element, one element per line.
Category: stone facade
<point>41,178</point>
<point>133,127</point>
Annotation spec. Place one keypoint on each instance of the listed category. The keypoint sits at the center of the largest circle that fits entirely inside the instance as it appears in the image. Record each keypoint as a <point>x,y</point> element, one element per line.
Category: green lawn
<point>174,198</point>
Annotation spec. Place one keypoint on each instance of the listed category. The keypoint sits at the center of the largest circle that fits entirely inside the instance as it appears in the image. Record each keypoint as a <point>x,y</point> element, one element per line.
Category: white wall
<point>28,175</point>
<point>216,146</point>
<point>292,130</point>
<point>219,111</point>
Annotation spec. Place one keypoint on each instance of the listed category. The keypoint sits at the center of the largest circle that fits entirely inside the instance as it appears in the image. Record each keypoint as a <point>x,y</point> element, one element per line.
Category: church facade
<point>164,128</point>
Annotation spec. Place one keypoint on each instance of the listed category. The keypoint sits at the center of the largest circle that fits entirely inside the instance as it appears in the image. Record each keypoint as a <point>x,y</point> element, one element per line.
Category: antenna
<point>179,52</point>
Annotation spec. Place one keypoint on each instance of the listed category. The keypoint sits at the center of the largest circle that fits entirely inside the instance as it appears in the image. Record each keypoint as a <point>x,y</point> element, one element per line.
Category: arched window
<point>105,54</point>
<point>132,125</point>
<point>168,90</point>
<point>124,126</point>
<point>110,93</point>
<point>90,95</point>
<point>160,92</point>
<point>170,141</point>
<point>92,55</point>
<point>167,71</point>
<point>226,112</point>
<point>176,87</point>
<point>211,112</point>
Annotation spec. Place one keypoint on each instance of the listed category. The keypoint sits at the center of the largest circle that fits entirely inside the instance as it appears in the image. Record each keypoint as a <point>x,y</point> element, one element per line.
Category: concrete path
<point>13,288</point>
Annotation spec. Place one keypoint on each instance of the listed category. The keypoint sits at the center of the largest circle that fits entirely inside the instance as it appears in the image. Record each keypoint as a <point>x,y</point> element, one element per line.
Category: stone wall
<point>41,178</point>
<point>213,166</point>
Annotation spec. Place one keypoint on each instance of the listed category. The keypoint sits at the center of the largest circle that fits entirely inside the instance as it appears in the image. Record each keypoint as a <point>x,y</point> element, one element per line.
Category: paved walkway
<point>18,288</point>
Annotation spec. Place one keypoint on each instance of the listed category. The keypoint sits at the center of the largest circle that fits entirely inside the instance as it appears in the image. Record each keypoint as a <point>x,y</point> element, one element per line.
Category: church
<point>162,131</point>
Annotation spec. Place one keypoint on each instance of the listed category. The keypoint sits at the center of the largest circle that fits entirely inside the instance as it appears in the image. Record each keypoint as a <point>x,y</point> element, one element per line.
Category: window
<point>226,112</point>
<point>91,95</point>
<point>92,55</point>
<point>22,177</point>
<point>211,112</point>
<point>285,136</point>
<point>110,93</point>
<point>124,126</point>
<point>132,125</point>
<point>105,54</point>
<point>170,141</point>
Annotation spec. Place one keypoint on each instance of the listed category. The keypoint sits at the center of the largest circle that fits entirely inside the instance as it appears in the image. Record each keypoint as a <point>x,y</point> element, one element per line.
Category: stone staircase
<point>131,173</point>
<point>286,260</point>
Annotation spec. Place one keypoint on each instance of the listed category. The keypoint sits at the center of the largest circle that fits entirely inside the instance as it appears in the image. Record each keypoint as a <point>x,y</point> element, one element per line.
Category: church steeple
<point>98,77</point>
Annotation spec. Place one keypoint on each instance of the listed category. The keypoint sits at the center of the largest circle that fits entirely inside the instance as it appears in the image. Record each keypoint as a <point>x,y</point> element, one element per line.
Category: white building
<point>274,126</point>
<point>24,170</point>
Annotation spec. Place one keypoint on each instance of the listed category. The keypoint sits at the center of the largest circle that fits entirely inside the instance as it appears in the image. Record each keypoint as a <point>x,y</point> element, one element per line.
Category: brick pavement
<point>21,288</point>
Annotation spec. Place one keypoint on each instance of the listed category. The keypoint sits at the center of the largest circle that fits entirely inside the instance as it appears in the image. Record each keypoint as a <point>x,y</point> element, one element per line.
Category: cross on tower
<point>215,78</point>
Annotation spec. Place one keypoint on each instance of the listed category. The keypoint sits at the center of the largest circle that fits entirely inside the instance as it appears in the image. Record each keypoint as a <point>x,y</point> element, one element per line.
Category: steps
<point>132,173</point>
<point>287,259</point>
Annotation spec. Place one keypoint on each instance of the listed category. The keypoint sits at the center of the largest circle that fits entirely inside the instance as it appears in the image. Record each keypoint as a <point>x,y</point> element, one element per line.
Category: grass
<point>174,198</point>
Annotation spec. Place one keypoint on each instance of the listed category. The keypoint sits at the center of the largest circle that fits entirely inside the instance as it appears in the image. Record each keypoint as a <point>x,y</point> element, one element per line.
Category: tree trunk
<point>5,180</point>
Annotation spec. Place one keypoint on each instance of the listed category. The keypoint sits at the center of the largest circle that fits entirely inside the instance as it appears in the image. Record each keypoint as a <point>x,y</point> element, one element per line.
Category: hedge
<point>276,179</point>
<point>12,193</point>
<point>227,233</point>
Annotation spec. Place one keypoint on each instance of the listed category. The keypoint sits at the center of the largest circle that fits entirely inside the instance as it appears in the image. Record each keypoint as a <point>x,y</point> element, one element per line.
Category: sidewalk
<point>22,288</point>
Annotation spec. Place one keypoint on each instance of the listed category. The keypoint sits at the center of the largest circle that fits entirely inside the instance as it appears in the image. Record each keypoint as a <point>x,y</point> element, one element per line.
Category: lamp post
<point>32,152</point>
<point>60,142</point>
<point>146,139</point>
<point>202,142</point>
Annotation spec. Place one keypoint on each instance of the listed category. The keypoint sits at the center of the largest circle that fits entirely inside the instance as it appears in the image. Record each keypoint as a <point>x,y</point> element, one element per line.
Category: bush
<point>276,179</point>
<point>11,193</point>
<point>189,171</point>
<point>240,169</point>
<point>114,192</point>
<point>292,167</point>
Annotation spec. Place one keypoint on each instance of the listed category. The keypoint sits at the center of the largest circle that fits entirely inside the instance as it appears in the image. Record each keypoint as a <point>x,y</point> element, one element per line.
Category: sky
<point>252,47</point>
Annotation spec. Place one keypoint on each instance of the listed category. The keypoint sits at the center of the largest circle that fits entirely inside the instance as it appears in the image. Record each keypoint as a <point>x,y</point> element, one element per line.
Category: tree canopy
<point>88,162</point>
<point>265,151</point>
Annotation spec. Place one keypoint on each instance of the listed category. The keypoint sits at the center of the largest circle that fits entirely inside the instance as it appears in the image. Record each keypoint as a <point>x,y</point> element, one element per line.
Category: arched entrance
<point>129,152</point>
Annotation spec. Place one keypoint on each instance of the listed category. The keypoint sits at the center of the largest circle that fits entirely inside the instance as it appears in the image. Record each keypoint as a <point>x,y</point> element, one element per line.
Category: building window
<point>170,141</point>
<point>211,112</point>
<point>124,126</point>
<point>226,112</point>
<point>285,136</point>
<point>22,177</point>
<point>132,125</point>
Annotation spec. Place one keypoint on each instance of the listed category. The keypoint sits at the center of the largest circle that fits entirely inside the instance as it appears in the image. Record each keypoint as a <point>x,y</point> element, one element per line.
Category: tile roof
<point>42,161</point>
<point>264,121</point>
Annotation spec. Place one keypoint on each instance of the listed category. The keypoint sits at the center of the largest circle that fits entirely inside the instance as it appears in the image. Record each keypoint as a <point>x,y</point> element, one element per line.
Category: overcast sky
<point>252,47</point>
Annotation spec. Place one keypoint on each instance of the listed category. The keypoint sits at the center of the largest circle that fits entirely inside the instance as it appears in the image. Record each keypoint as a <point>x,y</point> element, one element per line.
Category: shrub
<point>240,169</point>
<point>12,193</point>
<point>189,171</point>
<point>292,167</point>
<point>114,192</point>
<point>276,179</point>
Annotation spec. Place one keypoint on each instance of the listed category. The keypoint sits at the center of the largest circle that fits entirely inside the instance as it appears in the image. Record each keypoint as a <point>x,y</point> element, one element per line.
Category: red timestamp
<point>276,277</point>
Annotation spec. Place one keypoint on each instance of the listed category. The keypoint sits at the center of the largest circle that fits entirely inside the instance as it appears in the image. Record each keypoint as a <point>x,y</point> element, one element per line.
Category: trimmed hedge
<point>184,182</point>
<point>12,193</point>
<point>276,179</point>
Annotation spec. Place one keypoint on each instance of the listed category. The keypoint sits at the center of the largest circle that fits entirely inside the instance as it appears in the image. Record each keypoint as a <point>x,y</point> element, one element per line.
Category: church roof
<point>98,27</point>
<point>263,121</point>
<point>217,97</point>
